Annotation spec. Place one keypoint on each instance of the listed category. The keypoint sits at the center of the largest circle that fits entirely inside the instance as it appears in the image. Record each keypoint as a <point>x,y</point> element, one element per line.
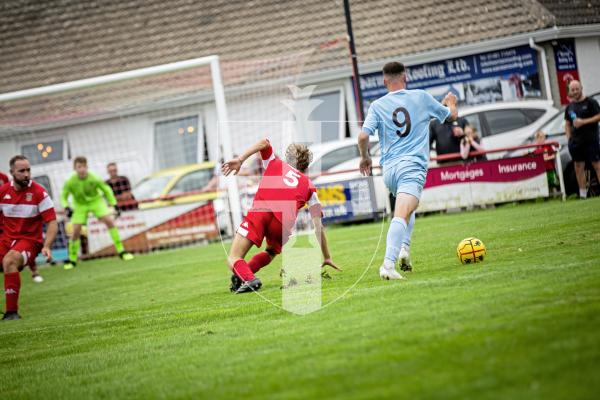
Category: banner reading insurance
<point>485,182</point>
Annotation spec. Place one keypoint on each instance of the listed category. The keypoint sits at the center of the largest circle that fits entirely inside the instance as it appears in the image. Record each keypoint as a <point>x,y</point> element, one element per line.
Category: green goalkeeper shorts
<point>80,211</point>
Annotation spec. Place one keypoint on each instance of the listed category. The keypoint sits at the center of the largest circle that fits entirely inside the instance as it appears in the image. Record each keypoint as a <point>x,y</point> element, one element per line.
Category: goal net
<point>166,129</point>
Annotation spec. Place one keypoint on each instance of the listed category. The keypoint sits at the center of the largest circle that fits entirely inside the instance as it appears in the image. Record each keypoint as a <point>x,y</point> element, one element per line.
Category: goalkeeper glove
<point>68,212</point>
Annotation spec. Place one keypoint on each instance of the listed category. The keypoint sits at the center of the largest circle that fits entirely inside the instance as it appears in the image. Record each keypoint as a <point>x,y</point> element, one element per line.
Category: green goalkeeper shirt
<point>85,191</point>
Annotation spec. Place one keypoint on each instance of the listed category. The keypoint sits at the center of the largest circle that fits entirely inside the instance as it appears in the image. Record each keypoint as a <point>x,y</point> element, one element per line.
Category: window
<point>192,182</point>
<point>533,114</point>
<point>500,121</point>
<point>176,142</point>
<point>329,113</point>
<point>556,126</point>
<point>335,157</point>
<point>44,181</point>
<point>43,152</point>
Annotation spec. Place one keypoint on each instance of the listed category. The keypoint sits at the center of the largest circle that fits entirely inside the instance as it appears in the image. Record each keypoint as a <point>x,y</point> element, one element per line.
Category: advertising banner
<point>566,66</point>
<point>343,201</point>
<point>348,200</point>
<point>484,182</point>
<point>507,74</point>
<point>152,228</point>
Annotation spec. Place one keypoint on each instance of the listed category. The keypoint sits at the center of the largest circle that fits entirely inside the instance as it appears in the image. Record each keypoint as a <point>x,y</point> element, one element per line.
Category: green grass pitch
<point>524,324</point>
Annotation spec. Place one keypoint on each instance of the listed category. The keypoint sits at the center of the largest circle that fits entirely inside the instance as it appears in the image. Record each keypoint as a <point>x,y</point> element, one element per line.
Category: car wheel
<point>571,186</point>
<point>594,184</point>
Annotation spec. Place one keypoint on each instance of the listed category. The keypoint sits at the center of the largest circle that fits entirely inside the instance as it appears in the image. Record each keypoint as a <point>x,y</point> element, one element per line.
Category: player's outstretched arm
<point>322,237</point>
<point>51,232</point>
<point>235,164</point>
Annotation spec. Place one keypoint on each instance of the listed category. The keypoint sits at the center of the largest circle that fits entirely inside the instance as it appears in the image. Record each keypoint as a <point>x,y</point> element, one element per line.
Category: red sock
<point>259,260</point>
<point>241,270</point>
<point>12,285</point>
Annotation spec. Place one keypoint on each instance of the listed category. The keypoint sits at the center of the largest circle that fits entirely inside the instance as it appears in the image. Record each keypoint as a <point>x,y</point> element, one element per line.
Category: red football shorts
<point>257,226</point>
<point>29,249</point>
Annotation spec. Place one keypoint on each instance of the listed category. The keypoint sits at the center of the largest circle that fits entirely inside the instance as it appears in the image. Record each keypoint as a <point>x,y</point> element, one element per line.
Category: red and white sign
<point>484,182</point>
<point>144,230</point>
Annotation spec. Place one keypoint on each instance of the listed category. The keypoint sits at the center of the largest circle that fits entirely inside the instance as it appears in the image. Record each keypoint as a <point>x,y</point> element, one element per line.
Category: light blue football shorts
<point>405,177</point>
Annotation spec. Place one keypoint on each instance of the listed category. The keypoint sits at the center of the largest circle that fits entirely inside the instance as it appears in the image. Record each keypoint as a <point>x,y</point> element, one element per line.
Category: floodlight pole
<point>354,57</point>
<point>224,134</point>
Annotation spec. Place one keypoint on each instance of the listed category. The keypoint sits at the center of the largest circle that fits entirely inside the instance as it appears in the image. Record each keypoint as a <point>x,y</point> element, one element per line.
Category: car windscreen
<point>556,126</point>
<point>333,158</point>
<point>192,182</point>
<point>151,188</point>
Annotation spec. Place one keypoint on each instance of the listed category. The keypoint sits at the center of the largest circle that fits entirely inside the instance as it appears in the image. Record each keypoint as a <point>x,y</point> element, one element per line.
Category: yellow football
<point>471,250</point>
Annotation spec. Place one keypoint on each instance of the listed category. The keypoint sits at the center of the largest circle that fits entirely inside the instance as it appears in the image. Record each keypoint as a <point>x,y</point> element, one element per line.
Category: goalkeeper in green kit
<point>87,190</point>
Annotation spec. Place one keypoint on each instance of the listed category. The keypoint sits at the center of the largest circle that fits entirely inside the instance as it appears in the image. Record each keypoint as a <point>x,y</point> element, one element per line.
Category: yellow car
<point>177,185</point>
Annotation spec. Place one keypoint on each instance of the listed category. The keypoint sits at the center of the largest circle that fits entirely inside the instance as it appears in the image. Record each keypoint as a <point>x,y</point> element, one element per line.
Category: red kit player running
<point>282,191</point>
<point>25,206</point>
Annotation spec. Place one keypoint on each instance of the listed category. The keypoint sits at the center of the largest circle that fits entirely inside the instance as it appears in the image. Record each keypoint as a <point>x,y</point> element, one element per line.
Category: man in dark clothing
<point>447,137</point>
<point>121,188</point>
<point>581,126</point>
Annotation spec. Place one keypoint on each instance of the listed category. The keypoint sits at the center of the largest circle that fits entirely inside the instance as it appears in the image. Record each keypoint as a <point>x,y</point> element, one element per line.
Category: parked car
<point>342,158</point>
<point>555,131</point>
<point>330,154</point>
<point>508,123</point>
<point>176,185</point>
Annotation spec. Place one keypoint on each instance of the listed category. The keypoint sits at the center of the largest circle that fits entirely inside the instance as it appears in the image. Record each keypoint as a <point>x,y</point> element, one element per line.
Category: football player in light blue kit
<point>401,119</point>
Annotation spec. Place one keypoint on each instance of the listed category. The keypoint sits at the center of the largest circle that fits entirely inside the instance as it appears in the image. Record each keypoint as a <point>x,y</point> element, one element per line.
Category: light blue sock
<point>409,230</point>
<point>395,237</point>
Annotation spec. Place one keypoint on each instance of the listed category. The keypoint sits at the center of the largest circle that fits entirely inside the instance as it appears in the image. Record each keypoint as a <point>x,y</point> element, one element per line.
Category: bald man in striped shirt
<point>25,207</point>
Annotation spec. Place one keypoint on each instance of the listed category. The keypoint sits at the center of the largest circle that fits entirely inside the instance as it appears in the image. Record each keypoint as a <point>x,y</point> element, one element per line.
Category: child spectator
<point>470,142</point>
<point>549,157</point>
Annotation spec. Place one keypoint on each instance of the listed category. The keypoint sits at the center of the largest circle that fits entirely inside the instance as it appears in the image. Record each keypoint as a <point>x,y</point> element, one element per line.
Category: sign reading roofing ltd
<point>513,65</point>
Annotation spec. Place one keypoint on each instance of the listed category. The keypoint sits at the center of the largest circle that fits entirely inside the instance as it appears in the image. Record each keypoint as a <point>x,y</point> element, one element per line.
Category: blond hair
<point>298,156</point>
<point>539,135</point>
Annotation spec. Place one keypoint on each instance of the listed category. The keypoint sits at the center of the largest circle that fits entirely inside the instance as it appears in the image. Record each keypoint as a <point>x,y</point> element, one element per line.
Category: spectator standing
<point>471,142</point>
<point>121,188</point>
<point>549,157</point>
<point>447,136</point>
<point>582,116</point>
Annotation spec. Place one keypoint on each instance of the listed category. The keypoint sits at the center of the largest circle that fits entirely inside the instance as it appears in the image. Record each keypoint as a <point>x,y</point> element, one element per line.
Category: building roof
<point>54,41</point>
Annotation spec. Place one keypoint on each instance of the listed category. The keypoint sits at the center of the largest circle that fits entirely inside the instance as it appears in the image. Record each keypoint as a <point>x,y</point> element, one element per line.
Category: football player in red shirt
<point>35,275</point>
<point>282,191</point>
<point>25,206</point>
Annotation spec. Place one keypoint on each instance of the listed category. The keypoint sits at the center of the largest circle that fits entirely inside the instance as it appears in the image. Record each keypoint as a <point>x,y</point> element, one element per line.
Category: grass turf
<point>522,325</point>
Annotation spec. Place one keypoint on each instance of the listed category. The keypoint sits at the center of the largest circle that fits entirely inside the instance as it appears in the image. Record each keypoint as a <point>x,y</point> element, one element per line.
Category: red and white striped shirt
<point>25,211</point>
